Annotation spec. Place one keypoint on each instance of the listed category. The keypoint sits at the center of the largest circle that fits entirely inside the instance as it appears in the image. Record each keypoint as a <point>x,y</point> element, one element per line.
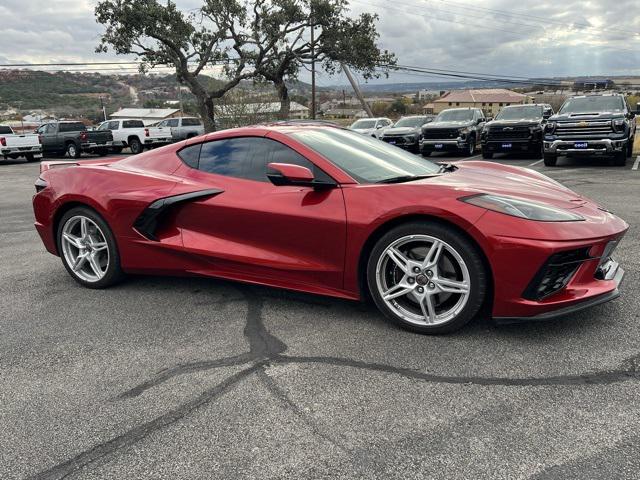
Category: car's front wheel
<point>88,248</point>
<point>427,277</point>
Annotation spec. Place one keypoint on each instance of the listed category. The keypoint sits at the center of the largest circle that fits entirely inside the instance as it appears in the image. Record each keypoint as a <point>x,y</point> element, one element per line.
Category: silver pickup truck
<point>183,127</point>
<point>16,146</point>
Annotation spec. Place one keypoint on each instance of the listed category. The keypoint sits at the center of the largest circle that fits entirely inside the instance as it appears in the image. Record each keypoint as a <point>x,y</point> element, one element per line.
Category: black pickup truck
<point>516,129</point>
<point>455,129</point>
<point>73,139</point>
<point>591,125</point>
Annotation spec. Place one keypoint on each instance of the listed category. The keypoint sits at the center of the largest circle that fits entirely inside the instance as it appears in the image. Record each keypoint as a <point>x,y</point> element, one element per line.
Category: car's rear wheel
<point>550,160</point>
<point>426,153</point>
<point>135,145</point>
<point>630,147</point>
<point>73,151</point>
<point>30,157</point>
<point>88,248</point>
<point>427,277</point>
<point>487,154</point>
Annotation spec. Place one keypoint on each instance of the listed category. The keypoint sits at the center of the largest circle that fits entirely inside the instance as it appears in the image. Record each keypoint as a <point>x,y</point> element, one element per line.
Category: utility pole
<point>344,99</point>
<point>313,73</point>
<point>104,110</point>
<point>356,89</point>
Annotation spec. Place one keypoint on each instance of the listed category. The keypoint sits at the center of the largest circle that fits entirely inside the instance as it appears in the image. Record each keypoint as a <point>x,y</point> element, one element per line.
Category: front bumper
<point>402,142</point>
<point>506,146</point>
<point>617,274</point>
<point>443,145</point>
<point>602,146</point>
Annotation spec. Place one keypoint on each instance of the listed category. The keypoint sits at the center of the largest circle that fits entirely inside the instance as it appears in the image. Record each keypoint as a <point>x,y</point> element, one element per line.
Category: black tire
<point>117,150</point>
<point>550,160</point>
<point>136,146</point>
<point>114,273</point>
<point>630,147</point>
<point>30,158</point>
<point>471,146</point>
<point>73,151</point>
<point>465,248</point>
<point>620,158</point>
<point>426,153</point>
<point>486,154</point>
<point>102,152</point>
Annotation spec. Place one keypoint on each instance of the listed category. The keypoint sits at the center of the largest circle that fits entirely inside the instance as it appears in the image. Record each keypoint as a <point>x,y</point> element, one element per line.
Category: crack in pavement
<point>266,349</point>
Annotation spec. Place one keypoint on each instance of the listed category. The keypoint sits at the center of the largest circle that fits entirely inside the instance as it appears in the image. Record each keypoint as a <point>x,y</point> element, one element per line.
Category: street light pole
<point>313,74</point>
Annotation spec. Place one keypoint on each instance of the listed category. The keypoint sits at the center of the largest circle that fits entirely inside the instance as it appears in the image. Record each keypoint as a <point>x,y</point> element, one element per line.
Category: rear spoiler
<point>44,166</point>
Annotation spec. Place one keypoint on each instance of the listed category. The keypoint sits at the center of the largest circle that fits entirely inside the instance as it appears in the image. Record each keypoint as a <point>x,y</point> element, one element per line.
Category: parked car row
<point>588,125</point>
<point>73,138</point>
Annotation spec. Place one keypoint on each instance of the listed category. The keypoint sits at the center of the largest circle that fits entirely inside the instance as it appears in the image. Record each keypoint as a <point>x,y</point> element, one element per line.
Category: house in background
<point>148,115</point>
<point>490,100</point>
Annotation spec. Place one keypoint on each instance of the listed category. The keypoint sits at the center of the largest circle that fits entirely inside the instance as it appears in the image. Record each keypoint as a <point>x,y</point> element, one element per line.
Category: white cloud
<point>527,38</point>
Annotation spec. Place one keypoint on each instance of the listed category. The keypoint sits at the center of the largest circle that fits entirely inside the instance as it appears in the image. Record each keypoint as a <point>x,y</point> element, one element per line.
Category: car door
<point>49,135</point>
<point>254,230</point>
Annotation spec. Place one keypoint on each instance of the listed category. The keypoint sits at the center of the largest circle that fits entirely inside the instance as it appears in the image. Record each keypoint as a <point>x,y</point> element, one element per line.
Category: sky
<point>530,38</point>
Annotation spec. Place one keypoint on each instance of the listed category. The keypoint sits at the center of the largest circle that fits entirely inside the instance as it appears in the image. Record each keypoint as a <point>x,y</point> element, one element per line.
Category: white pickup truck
<point>16,146</point>
<point>133,134</point>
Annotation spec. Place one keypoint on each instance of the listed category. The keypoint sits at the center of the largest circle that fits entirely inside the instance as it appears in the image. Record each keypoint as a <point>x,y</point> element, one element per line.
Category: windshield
<point>520,113</point>
<point>365,159</point>
<point>411,122</point>
<point>364,124</point>
<point>455,116</point>
<point>592,105</point>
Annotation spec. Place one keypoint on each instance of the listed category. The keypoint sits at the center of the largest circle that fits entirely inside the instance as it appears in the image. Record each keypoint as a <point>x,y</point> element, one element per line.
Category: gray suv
<point>453,130</point>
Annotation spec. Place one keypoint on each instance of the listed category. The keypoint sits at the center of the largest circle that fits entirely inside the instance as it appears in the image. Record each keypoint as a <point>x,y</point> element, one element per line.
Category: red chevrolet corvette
<point>320,209</point>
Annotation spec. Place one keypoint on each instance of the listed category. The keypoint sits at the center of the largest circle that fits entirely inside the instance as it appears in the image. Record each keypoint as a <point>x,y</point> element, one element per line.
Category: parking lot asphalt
<point>191,378</point>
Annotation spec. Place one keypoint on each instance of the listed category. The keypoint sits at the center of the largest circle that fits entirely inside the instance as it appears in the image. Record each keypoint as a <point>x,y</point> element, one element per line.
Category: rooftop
<point>144,112</point>
<point>489,95</point>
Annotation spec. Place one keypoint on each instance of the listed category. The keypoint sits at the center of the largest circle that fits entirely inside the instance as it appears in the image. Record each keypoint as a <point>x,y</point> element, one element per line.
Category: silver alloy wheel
<point>71,150</point>
<point>423,280</point>
<point>85,248</point>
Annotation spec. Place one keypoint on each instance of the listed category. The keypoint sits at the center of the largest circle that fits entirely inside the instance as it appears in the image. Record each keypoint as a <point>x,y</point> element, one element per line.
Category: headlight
<point>518,207</point>
<point>462,132</point>
<point>619,124</point>
<point>550,127</point>
<point>535,128</point>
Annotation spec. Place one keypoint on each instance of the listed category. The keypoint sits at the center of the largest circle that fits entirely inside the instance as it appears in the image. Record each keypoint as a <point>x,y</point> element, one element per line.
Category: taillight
<point>3,141</point>
<point>40,139</point>
<point>146,132</point>
<point>84,136</point>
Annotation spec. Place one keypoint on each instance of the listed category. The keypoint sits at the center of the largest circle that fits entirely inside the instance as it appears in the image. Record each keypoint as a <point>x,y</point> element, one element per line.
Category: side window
<point>172,123</point>
<point>50,128</point>
<point>191,155</point>
<point>231,157</point>
<point>41,129</point>
<point>114,125</point>
<point>283,154</point>
<point>246,157</point>
<point>162,123</point>
<point>132,124</point>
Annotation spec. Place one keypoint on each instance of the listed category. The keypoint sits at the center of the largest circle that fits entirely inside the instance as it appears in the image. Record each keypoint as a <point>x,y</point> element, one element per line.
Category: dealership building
<point>489,100</point>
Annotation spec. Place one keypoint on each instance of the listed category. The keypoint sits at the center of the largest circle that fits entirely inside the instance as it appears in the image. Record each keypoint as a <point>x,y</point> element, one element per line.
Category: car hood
<point>365,131</point>
<point>447,125</point>
<point>514,123</point>
<point>474,177</point>
<point>579,117</point>
<point>402,130</point>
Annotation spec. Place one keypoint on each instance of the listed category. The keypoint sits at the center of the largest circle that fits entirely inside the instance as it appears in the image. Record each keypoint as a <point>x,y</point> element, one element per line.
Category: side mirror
<point>480,120</point>
<point>288,174</point>
<point>489,119</point>
<point>378,127</point>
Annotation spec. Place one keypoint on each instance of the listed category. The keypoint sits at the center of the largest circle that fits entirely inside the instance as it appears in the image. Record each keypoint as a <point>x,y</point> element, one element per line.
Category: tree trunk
<point>285,101</point>
<point>205,106</point>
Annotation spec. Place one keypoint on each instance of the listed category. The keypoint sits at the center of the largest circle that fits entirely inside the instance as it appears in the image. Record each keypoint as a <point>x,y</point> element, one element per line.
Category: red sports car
<point>320,209</point>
